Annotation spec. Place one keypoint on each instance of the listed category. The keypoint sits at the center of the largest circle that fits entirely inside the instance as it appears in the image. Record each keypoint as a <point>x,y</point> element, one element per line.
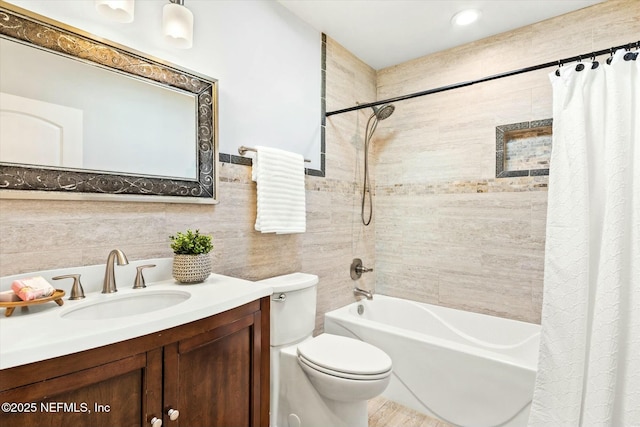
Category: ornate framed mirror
<point>84,118</point>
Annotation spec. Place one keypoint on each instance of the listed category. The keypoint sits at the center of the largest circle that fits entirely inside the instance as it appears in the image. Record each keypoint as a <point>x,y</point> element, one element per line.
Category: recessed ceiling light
<point>465,17</point>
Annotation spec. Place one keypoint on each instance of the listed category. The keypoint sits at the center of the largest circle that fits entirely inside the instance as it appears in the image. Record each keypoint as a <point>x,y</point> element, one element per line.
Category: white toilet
<point>321,381</point>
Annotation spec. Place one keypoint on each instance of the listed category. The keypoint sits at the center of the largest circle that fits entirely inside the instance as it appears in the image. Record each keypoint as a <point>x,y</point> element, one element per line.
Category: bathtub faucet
<point>359,291</point>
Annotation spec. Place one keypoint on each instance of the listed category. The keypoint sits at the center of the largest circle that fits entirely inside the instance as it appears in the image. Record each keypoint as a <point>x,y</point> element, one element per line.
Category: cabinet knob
<point>156,422</point>
<point>173,414</point>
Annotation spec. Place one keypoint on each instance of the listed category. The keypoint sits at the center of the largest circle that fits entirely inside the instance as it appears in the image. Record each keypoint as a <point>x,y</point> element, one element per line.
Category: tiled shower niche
<point>523,149</point>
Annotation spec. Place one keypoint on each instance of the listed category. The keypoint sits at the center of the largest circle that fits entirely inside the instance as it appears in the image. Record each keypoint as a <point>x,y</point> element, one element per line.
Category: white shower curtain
<point>589,366</point>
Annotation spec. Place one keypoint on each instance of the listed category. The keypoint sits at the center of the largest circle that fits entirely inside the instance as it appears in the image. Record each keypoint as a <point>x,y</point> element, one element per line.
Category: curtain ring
<point>610,58</point>
<point>559,66</point>
<point>630,56</point>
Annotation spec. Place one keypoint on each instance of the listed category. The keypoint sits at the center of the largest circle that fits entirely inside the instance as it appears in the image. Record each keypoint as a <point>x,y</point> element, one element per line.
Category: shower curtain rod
<point>558,63</point>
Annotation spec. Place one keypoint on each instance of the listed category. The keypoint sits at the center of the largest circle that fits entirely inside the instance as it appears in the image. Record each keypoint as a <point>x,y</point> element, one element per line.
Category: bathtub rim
<point>344,315</point>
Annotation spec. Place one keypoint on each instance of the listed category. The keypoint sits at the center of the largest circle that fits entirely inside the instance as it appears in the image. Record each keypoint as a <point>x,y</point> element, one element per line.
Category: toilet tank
<point>293,307</point>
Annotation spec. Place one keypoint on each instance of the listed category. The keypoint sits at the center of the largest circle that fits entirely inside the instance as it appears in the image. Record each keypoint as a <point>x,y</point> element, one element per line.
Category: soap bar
<point>8,296</point>
<point>31,288</point>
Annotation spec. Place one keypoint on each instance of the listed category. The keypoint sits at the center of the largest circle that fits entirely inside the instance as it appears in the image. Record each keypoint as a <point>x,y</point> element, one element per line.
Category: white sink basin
<point>112,306</point>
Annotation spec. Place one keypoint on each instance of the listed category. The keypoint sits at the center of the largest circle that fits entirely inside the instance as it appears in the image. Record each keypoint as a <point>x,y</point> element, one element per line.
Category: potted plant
<point>191,262</point>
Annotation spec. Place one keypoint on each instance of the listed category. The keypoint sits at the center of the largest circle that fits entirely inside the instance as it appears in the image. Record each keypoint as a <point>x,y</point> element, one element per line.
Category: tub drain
<point>360,309</point>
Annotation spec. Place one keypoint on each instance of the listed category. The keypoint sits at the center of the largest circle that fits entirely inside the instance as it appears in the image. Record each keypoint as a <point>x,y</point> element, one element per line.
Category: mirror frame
<point>28,181</point>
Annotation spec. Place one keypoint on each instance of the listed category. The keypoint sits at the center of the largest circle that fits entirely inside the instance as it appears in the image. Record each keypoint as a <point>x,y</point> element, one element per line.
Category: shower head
<point>384,111</point>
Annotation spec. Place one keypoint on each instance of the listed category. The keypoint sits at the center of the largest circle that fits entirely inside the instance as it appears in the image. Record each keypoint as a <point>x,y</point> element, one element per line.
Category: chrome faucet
<point>363,292</point>
<point>109,284</point>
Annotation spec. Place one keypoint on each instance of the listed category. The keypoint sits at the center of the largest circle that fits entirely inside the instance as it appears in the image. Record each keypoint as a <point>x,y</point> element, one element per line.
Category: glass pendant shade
<point>177,25</point>
<point>116,10</point>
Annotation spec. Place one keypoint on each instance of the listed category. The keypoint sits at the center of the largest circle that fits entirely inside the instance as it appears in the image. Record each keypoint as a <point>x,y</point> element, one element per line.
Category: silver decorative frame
<point>30,29</point>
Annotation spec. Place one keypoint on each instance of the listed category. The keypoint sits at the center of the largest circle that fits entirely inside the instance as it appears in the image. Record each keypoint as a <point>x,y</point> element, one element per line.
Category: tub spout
<point>363,292</point>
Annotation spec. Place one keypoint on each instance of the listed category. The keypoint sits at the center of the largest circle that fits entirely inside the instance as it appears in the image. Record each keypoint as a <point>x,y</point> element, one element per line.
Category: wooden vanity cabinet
<point>213,372</point>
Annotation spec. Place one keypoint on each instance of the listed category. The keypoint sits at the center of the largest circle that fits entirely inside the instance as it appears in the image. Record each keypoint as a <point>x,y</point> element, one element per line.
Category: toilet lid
<point>343,355</point>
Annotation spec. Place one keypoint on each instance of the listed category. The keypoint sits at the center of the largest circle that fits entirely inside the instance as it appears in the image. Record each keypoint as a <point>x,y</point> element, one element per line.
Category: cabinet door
<point>213,379</point>
<point>108,395</point>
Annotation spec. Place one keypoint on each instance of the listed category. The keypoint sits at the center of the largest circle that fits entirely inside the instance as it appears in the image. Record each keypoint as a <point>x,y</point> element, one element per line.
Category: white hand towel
<point>279,177</point>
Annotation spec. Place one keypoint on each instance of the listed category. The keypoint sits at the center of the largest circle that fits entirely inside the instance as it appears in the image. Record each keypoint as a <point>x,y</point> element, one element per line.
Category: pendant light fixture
<point>177,24</point>
<point>116,10</point>
<point>177,20</point>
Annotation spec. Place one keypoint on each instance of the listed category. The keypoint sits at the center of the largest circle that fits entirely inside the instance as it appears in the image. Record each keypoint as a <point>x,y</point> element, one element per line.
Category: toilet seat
<point>344,357</point>
<point>344,375</point>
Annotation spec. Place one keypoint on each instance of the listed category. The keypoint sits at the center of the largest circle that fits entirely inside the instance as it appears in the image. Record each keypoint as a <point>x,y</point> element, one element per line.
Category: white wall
<point>266,61</point>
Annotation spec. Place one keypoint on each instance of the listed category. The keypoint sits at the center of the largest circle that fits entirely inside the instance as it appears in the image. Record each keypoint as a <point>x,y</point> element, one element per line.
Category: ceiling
<point>388,32</point>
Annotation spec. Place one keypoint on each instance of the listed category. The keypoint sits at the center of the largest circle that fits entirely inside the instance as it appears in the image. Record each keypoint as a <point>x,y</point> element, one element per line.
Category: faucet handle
<point>77,292</point>
<point>139,282</point>
<point>357,269</point>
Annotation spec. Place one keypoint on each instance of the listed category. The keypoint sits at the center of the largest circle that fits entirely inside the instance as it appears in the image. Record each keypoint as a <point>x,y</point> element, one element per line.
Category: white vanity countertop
<point>42,333</point>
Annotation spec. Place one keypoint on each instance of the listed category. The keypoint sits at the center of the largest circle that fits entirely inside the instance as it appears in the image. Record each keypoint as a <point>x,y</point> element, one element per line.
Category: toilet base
<point>298,404</point>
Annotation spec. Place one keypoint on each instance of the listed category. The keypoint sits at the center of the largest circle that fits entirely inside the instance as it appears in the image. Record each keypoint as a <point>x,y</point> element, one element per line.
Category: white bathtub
<point>465,368</point>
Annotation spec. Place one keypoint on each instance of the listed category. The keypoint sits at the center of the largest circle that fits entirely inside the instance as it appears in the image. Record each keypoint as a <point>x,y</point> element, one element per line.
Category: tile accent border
<point>492,185</point>
<point>501,149</point>
<point>246,161</point>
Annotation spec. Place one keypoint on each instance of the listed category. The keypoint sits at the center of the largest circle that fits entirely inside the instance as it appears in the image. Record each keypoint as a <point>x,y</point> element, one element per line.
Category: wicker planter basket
<point>191,268</point>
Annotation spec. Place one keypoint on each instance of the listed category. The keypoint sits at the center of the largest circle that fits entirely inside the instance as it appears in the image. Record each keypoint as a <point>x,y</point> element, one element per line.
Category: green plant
<point>191,243</point>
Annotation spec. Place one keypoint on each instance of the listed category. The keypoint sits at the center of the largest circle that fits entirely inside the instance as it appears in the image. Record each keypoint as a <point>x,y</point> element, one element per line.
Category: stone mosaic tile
<point>512,184</point>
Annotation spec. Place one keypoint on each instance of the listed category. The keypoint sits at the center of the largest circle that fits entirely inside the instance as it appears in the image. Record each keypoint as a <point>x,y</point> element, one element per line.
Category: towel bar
<point>242,150</point>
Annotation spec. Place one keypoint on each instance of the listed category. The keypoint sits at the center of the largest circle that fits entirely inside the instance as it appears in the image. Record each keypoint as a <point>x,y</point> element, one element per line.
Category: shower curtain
<point>589,364</point>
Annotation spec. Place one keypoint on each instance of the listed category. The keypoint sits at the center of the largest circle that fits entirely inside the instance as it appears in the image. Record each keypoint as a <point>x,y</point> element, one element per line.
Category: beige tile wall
<point>447,231</point>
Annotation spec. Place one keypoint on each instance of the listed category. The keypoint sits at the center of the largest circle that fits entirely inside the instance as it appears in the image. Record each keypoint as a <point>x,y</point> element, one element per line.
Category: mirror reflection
<point>112,129</point>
